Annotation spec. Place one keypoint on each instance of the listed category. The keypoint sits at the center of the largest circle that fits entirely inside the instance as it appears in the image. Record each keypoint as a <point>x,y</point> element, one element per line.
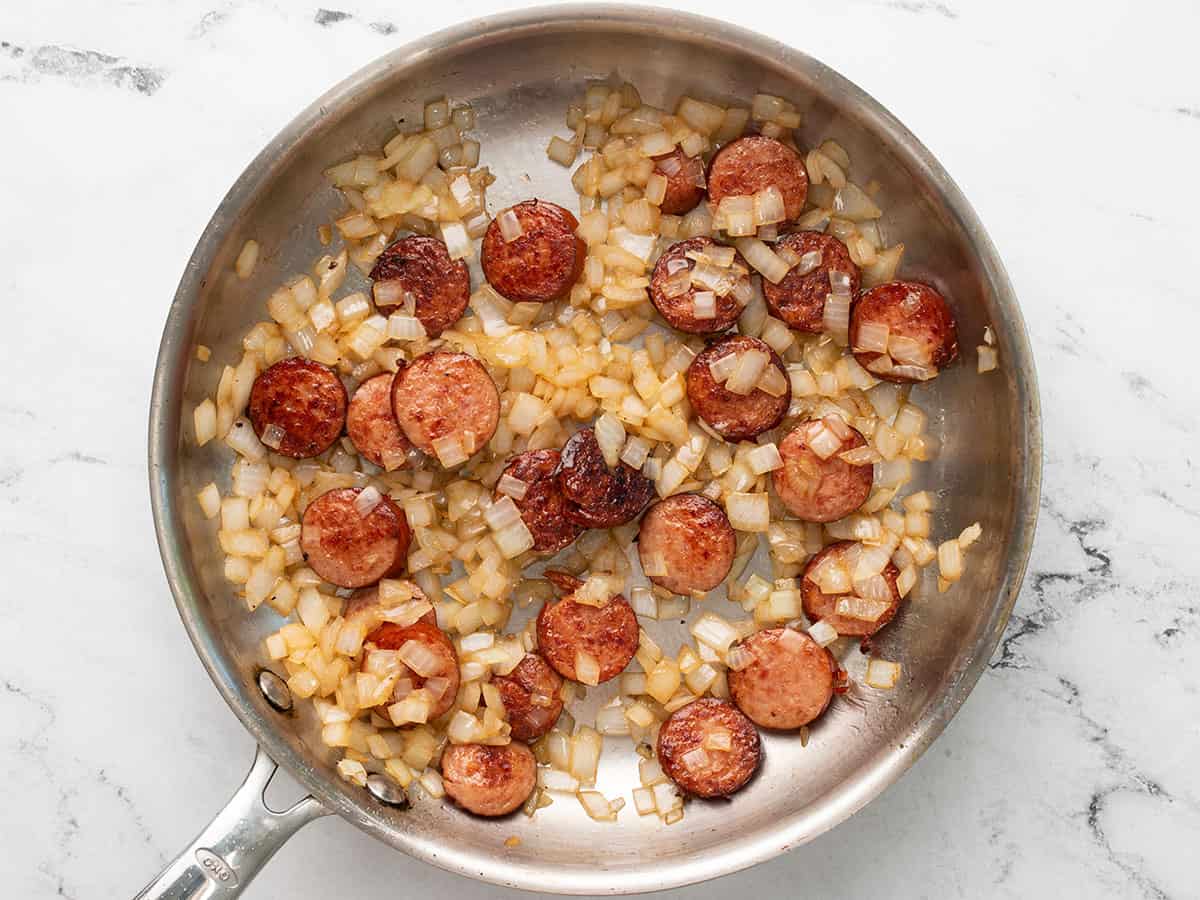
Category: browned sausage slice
<point>486,780</point>
<point>304,401</point>
<point>600,497</point>
<point>445,675</point>
<point>364,605</point>
<point>820,606</point>
<point>921,333</point>
<point>543,508</point>
<point>349,549</point>
<point>679,309</point>
<point>746,166</point>
<point>422,266</point>
<point>790,681</point>
<point>372,425</point>
<point>816,489</point>
<point>691,536</point>
<point>799,299</point>
<point>607,633</point>
<point>711,771</point>
<point>441,395</point>
<point>733,416</point>
<point>541,263</point>
<point>685,182</point>
<point>531,697</point>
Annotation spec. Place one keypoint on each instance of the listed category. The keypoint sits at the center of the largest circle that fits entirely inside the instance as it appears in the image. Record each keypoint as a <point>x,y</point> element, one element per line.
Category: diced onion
<point>809,262</point>
<point>989,359</point>
<point>872,337</point>
<point>723,367</point>
<point>512,487</point>
<point>715,631</point>
<point>762,258</point>
<point>610,436</point>
<point>704,305</point>
<point>405,328</point>
<point>773,382</point>
<point>449,450</point>
<point>204,419</point>
<point>748,512</point>
<point>739,657</point>
<point>854,607</point>
<point>882,674</point>
<point>458,242</point>
<point>696,758</point>
<point>764,458</point>
<point>823,442</point>
<point>823,633</point>
<point>510,225</point>
<point>950,560</point>
<point>768,206</point>
<point>750,366</point>
<point>835,319</point>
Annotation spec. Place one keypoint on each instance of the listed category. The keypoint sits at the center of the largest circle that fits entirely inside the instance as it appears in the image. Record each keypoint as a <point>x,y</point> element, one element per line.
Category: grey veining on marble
<point>1074,128</point>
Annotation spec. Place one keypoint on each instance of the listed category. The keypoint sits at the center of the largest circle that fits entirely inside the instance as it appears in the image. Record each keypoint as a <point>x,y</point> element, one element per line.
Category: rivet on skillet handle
<point>239,841</point>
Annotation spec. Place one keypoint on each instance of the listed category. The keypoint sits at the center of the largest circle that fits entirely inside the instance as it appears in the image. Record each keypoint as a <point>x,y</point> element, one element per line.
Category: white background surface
<point>1073,128</point>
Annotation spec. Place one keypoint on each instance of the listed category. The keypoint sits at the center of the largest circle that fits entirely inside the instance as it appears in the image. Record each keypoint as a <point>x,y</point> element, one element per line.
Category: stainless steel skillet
<point>520,71</point>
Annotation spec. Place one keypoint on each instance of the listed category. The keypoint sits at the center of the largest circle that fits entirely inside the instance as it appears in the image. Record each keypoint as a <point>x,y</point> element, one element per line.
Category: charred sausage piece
<point>790,681</point>
<point>799,299</point>
<point>440,678</point>
<point>421,266</point>
<point>304,401</point>
<point>564,581</point>
<point>818,489</point>
<point>541,263</point>
<point>746,166</point>
<point>441,395</point>
<point>916,324</point>
<point>599,497</point>
<point>736,417</point>
<point>679,309</point>
<point>820,606</point>
<point>543,508</point>
<point>372,425</point>
<point>690,536</point>
<point>709,771</point>
<point>349,549</point>
<point>685,182</point>
<point>364,605</point>
<point>531,697</point>
<point>608,633</point>
<point>489,781</point>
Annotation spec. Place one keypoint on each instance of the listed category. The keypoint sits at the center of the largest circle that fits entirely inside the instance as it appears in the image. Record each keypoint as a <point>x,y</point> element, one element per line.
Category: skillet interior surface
<point>520,72</point>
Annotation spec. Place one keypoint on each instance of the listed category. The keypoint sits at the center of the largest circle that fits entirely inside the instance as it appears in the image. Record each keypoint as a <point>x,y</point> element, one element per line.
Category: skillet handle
<point>227,854</point>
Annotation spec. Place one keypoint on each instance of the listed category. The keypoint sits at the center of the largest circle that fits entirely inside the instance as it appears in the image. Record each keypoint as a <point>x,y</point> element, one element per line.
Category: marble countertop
<point>1074,130</point>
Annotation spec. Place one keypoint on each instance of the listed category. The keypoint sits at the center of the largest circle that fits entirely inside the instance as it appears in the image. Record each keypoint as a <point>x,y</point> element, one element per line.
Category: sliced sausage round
<point>489,781</point>
<point>541,263</point>
<point>543,508</point>
<point>349,549</point>
<point>790,681</point>
<point>685,182</point>
<point>735,417</point>
<point>422,266</point>
<point>816,489</point>
<point>746,166</point>
<point>364,605</point>
<point>691,537</point>
<point>709,771</point>
<point>531,695</point>
<point>921,338</point>
<point>608,633</point>
<point>680,310</point>
<point>303,399</point>
<point>820,606</point>
<point>443,394</point>
<point>372,425</point>
<point>597,496</point>
<point>799,299</point>
<point>440,682</point>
